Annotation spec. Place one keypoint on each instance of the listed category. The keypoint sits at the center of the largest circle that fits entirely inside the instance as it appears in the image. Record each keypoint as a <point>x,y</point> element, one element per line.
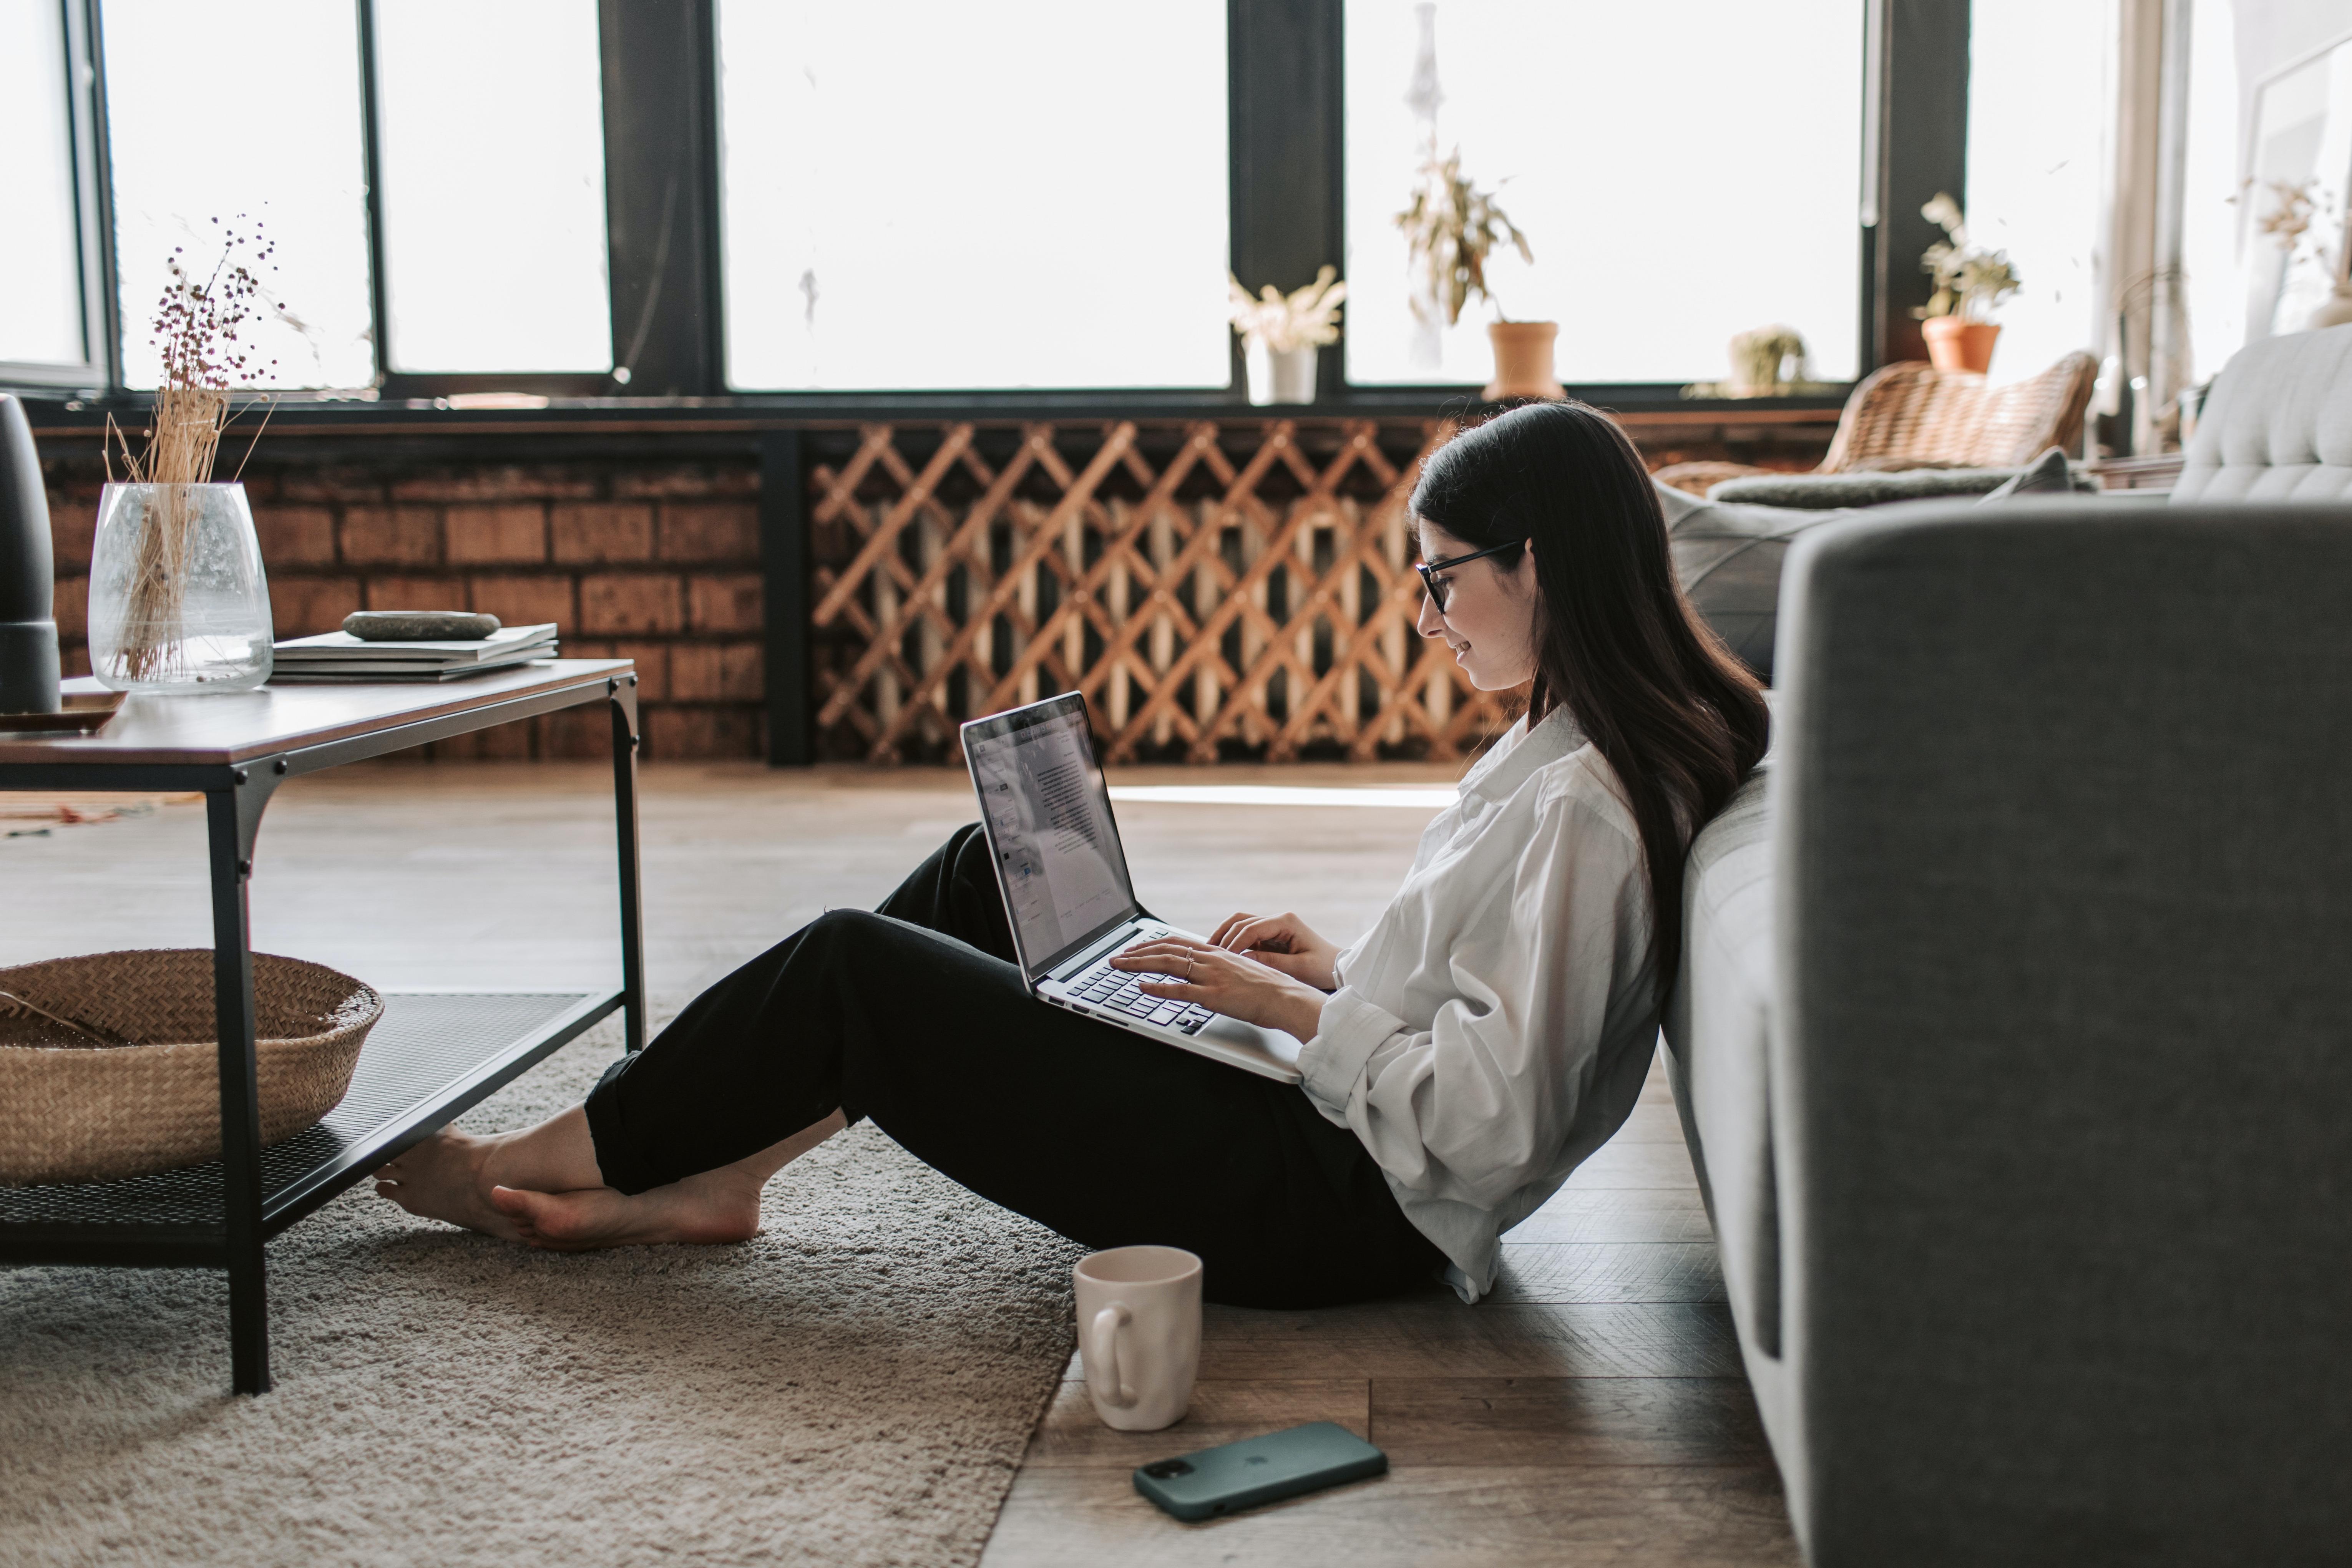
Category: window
<point>2212,219</point>
<point>2036,151</point>
<point>974,196</point>
<point>41,318</point>
<point>489,145</point>
<point>1683,173</point>
<point>289,160</point>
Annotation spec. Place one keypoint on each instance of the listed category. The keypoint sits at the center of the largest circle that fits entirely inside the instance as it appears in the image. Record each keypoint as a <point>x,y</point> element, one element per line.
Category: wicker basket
<point>109,1068</point>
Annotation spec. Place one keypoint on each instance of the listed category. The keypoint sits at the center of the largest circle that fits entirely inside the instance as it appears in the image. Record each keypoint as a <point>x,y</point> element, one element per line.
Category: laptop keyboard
<point>1108,990</point>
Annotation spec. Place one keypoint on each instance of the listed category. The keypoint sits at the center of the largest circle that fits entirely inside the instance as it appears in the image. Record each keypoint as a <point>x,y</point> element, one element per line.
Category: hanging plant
<point>1450,229</point>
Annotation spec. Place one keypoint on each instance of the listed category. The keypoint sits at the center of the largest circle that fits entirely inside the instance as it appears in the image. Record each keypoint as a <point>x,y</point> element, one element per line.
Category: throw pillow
<point>2050,473</point>
<point>1728,559</point>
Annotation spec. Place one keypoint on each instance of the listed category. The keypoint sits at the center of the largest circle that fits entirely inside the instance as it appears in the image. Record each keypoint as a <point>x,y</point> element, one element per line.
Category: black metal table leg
<point>232,817</point>
<point>623,695</point>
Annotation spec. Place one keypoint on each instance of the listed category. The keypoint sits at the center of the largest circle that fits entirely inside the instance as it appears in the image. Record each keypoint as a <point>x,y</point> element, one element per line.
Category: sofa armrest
<point>2063,869</point>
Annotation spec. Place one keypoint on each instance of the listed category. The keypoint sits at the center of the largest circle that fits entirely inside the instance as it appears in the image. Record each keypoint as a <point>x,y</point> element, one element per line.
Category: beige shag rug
<point>855,1386</point>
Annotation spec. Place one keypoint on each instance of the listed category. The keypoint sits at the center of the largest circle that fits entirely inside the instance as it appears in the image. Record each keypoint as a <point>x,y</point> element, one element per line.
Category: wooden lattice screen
<point>1217,591</point>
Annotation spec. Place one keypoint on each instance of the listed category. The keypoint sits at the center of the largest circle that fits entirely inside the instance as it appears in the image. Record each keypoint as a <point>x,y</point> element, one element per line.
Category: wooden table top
<point>239,726</point>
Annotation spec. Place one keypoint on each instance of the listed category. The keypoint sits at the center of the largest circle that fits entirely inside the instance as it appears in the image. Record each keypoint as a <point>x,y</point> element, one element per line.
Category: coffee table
<point>432,1057</point>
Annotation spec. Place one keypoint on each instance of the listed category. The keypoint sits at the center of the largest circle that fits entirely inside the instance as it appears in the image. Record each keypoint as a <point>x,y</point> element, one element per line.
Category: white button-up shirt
<point>1495,1026</point>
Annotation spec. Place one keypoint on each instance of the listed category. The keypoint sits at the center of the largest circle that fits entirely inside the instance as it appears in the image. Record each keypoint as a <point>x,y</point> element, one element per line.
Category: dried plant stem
<point>180,453</point>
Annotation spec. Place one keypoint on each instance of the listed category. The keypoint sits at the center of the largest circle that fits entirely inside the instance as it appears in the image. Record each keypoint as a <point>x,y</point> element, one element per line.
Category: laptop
<point>1066,891</point>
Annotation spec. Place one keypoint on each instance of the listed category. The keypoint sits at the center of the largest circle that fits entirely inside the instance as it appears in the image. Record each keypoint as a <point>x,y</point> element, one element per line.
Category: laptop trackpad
<point>1273,1043</point>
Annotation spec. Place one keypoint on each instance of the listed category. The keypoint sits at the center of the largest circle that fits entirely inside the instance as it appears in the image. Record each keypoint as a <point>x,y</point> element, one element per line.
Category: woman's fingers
<point>1274,933</point>
<point>1217,937</point>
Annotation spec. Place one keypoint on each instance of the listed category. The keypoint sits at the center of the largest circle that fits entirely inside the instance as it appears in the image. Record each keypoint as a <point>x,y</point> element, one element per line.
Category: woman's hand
<point>1225,983</point>
<point>1284,942</point>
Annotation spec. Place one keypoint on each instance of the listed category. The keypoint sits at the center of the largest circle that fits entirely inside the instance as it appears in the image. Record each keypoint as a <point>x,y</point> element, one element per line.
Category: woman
<point>1490,1032</point>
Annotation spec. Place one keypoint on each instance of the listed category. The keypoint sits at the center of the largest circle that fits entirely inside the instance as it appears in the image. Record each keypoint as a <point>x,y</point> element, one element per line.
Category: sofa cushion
<point>1728,558</point>
<point>1719,1029</point>
<point>2278,425</point>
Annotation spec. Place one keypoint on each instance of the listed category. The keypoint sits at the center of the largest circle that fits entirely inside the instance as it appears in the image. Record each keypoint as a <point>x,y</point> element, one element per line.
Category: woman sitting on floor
<point>1491,1031</point>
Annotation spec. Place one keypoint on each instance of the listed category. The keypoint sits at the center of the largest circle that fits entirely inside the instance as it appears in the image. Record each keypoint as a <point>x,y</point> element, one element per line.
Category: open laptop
<point>1066,890</point>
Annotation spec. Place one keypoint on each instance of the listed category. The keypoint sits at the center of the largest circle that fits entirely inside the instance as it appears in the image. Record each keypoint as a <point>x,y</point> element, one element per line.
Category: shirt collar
<point>1522,750</point>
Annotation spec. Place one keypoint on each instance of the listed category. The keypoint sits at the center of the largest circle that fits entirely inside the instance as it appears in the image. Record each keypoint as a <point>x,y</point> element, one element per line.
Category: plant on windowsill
<point>1970,283</point>
<point>1280,334</point>
<point>1450,228</point>
<point>1766,361</point>
<point>177,600</point>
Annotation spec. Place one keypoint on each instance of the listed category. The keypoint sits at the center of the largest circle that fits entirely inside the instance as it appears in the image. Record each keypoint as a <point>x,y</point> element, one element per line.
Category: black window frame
<point>1287,146</point>
<point>100,369</point>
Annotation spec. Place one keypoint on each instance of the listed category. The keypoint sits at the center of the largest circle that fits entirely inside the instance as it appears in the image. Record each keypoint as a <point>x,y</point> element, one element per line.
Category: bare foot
<point>441,1178</point>
<point>711,1209</point>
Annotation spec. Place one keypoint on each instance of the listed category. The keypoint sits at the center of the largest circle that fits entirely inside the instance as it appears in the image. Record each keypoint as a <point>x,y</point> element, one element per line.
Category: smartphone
<point>1240,1475</point>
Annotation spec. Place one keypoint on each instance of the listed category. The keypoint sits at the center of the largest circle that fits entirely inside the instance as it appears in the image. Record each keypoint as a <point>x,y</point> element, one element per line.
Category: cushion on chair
<point>1825,492</point>
<point>2278,425</point>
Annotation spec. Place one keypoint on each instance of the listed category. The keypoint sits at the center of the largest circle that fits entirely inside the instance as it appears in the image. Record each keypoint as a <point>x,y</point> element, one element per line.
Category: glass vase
<point>178,603</point>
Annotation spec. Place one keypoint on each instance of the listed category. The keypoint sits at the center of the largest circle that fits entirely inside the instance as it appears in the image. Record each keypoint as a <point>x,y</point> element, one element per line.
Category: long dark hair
<point>1679,719</point>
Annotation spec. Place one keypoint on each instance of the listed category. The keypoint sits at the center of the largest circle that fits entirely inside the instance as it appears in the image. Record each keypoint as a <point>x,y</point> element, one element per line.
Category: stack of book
<point>338,655</point>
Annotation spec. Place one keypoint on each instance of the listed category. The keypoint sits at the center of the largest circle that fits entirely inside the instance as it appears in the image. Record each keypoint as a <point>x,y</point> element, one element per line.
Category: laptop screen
<point>1049,824</point>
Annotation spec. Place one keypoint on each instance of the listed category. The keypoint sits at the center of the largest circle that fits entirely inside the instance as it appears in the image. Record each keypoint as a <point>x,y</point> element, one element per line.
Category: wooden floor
<point>1592,1411</point>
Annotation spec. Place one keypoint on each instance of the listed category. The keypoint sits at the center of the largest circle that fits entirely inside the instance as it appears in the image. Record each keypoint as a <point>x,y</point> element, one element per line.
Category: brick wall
<point>657,562</point>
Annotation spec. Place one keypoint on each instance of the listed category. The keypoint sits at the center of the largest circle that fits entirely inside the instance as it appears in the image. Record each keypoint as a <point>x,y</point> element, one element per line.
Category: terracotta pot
<point>1956,344</point>
<point>1523,361</point>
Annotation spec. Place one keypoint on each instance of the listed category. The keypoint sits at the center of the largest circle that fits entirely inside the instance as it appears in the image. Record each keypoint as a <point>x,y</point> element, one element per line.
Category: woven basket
<point>109,1068</point>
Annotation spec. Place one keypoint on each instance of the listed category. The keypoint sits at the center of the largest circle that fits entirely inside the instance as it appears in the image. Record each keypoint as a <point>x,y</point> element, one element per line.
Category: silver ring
<point>1190,960</point>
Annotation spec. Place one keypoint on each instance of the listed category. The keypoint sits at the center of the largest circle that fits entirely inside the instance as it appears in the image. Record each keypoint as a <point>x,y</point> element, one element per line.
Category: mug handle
<point>1102,1357</point>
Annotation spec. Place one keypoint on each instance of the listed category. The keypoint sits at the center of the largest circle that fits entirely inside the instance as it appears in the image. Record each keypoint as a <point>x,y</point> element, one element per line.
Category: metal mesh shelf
<point>434,1054</point>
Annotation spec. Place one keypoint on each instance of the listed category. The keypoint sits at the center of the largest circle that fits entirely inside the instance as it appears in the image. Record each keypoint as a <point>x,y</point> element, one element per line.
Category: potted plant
<point>1970,283</point>
<point>1280,334</point>
<point>1450,229</point>
<point>178,603</point>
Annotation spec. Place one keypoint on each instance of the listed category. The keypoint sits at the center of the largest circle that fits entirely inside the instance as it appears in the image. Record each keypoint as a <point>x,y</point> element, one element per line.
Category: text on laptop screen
<point>1050,816</point>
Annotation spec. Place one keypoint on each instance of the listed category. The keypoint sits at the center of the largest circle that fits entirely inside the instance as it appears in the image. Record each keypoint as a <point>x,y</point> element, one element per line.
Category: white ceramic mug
<point>1140,1333</point>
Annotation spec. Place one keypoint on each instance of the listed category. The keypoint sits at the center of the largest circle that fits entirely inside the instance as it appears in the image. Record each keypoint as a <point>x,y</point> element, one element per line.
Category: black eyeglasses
<point>1436,584</point>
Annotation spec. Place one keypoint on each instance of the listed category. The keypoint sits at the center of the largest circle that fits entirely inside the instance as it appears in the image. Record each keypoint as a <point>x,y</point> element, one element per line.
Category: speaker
<point>29,637</point>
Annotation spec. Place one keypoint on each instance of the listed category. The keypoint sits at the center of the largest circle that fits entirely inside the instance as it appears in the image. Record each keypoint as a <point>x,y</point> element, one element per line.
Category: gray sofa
<point>2013,1041</point>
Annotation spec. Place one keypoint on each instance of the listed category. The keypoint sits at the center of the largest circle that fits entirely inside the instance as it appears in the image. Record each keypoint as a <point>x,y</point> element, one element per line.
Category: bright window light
<point>2036,151</point>
<point>40,264</point>
<point>491,145</point>
<point>294,164</point>
<point>2213,215</point>
<point>945,195</point>
<point>1682,171</point>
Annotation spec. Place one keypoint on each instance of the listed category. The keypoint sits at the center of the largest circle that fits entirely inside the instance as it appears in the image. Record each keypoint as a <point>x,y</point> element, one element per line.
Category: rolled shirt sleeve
<point>1495,1026</point>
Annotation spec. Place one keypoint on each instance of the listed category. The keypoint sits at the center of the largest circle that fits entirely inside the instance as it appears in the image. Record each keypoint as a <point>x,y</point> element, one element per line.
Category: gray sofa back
<point>2060,1058</point>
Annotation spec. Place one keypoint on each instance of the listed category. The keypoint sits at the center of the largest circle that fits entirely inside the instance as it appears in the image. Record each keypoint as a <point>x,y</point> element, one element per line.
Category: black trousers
<point>917,1017</point>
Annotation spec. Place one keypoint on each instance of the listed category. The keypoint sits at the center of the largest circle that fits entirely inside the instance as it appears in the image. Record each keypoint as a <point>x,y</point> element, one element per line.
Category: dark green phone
<point>1259,1469</point>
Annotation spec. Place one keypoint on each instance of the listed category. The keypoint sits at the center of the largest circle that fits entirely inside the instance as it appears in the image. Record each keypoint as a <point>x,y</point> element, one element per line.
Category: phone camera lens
<point>1167,1468</point>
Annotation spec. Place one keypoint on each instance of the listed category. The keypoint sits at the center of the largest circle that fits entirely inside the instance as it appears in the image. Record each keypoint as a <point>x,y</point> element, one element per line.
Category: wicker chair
<point>1911,415</point>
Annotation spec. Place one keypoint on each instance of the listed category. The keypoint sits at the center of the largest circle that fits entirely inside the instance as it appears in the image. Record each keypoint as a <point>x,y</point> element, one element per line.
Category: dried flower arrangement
<point>1971,281</point>
<point>1451,228</point>
<point>198,326</point>
<point>1306,318</point>
<point>2291,208</point>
